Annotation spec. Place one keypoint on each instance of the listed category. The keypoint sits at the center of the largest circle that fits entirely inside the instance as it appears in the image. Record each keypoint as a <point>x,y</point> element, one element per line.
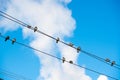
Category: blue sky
<point>97,31</point>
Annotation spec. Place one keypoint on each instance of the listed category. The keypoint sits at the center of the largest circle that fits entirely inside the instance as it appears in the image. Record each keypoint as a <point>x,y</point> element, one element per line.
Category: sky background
<point>97,30</point>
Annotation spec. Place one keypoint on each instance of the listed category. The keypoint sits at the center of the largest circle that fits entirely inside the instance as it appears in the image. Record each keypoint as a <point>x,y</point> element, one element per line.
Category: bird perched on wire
<point>63,60</point>
<point>7,38</point>
<point>13,40</point>
<point>57,40</point>
<point>78,49</point>
<point>35,29</point>
<point>28,26</point>
<point>107,60</point>
<point>113,63</point>
<point>70,44</point>
<point>71,62</point>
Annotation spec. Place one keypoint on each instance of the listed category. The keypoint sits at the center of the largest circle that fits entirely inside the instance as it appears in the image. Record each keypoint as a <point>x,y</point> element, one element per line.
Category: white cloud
<point>66,1</point>
<point>102,77</point>
<point>52,18</point>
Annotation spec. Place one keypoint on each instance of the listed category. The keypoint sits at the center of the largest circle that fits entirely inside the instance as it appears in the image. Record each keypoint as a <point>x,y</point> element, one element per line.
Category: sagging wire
<point>13,75</point>
<point>78,49</point>
<point>62,59</point>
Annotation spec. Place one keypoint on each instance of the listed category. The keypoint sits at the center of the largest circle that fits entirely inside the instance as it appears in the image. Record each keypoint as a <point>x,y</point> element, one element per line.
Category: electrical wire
<point>12,18</point>
<point>101,59</point>
<point>12,75</point>
<point>117,66</point>
<point>60,58</point>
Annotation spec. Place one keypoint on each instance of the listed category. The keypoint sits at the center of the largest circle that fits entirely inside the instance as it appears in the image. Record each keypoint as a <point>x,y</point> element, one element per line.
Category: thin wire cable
<point>16,75</point>
<point>89,54</point>
<point>60,58</point>
<point>32,28</point>
<point>10,76</point>
<point>12,17</point>
<point>12,20</point>
<point>101,59</point>
<point>13,75</point>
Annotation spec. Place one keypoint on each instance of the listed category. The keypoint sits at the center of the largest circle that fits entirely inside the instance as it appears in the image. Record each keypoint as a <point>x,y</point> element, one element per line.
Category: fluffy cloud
<point>51,17</point>
<point>102,77</point>
<point>66,1</point>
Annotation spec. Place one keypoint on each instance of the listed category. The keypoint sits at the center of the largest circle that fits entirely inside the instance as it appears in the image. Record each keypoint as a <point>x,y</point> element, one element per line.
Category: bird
<point>7,38</point>
<point>71,62</point>
<point>35,29</point>
<point>57,40</point>
<point>107,60</point>
<point>63,60</point>
<point>113,63</point>
<point>70,44</point>
<point>28,26</point>
<point>13,40</point>
<point>78,49</point>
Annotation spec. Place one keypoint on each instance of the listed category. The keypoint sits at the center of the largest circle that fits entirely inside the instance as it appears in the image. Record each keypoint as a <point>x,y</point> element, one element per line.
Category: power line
<point>5,15</point>
<point>12,18</point>
<point>12,75</point>
<point>101,59</point>
<point>58,58</point>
